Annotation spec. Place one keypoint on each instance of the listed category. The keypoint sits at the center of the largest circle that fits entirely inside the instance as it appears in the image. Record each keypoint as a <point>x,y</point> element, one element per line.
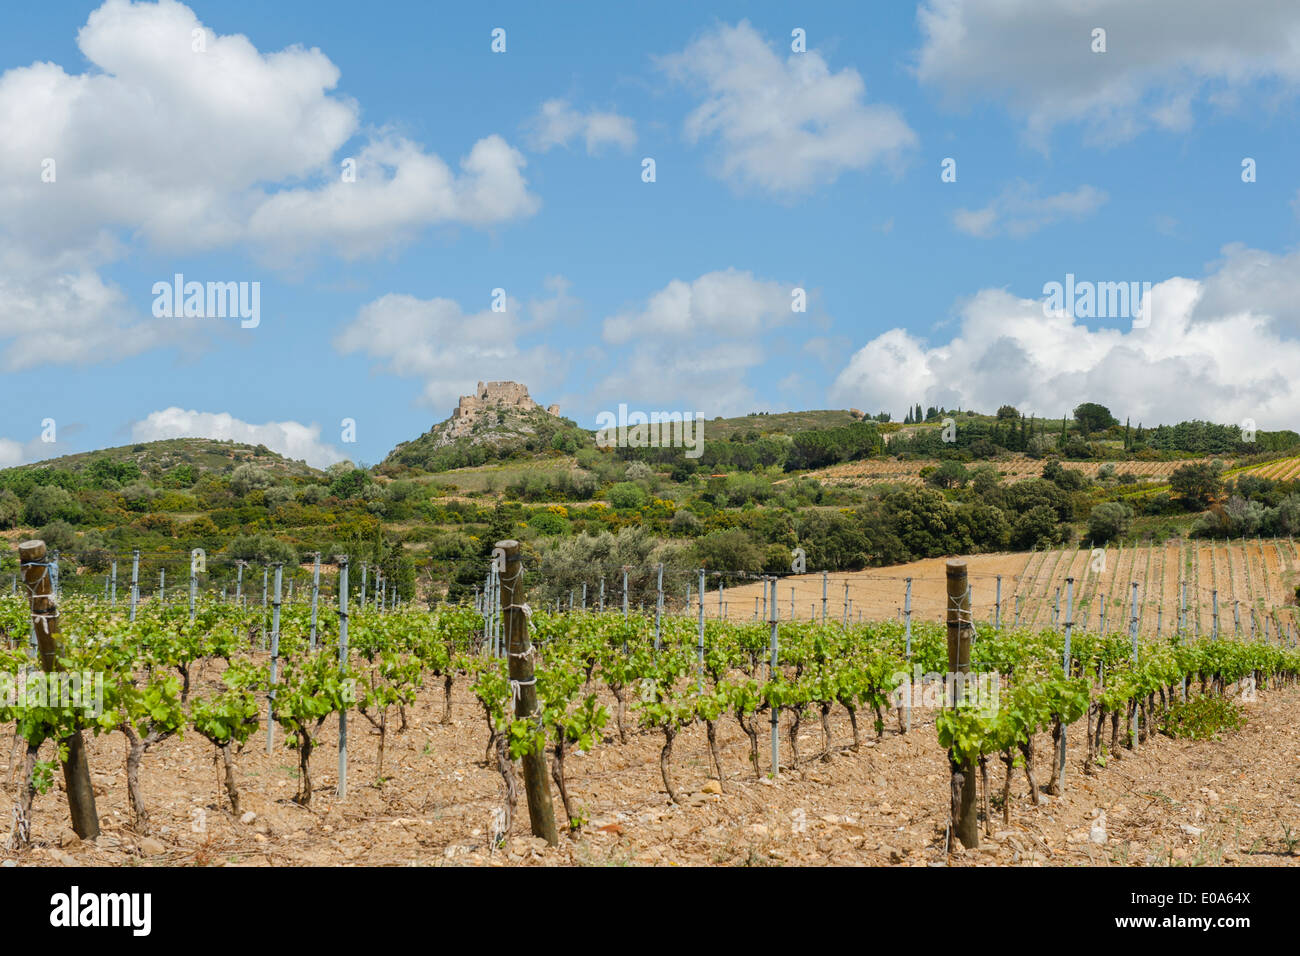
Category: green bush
<point>1202,718</point>
<point>626,495</point>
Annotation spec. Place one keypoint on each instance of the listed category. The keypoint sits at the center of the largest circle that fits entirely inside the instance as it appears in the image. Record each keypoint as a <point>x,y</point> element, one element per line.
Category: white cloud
<point>290,439</point>
<point>783,126</point>
<point>1161,57</point>
<point>193,151</point>
<point>450,349</point>
<point>399,189</point>
<point>692,344</point>
<point>64,312</point>
<point>181,145</point>
<point>558,306</point>
<point>11,453</point>
<point>557,123</point>
<point>1215,349</point>
<point>1019,211</point>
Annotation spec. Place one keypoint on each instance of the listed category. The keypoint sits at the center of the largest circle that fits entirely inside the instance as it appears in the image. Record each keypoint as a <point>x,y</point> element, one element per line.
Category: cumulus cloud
<point>64,311</point>
<point>783,126</point>
<point>11,453</point>
<point>179,145</point>
<point>1216,349</point>
<point>1018,211</point>
<point>1162,56</point>
<point>290,439</point>
<point>691,345</point>
<point>193,150</point>
<point>448,348</point>
<point>557,123</point>
<point>399,189</point>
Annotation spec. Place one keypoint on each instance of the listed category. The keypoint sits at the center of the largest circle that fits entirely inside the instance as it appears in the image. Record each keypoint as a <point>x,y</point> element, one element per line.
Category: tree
<point>1008,412</point>
<point>11,510</point>
<point>1197,483</point>
<point>1036,528</point>
<point>58,536</point>
<point>1067,478</point>
<point>1288,515</point>
<point>249,477</point>
<point>48,503</point>
<point>1094,418</point>
<point>1109,520</point>
<point>949,474</point>
<point>985,480</point>
<point>731,550</point>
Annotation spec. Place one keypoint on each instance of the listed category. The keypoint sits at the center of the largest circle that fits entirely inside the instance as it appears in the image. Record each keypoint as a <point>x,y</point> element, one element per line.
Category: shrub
<point>11,510</point>
<point>626,495</point>
<point>48,503</point>
<point>548,522</point>
<point>1109,520</point>
<point>1202,718</point>
<point>248,478</point>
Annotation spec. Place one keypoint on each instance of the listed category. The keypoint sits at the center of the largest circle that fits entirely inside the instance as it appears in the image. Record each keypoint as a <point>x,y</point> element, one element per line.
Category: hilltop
<point>157,459</point>
<point>500,420</point>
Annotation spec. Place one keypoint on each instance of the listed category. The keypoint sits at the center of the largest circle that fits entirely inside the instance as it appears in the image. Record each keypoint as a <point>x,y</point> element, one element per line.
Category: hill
<point>778,423</point>
<point>156,459</point>
<point>499,421</point>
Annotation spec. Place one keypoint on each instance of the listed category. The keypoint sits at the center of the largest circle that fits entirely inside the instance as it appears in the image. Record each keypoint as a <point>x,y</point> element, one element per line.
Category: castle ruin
<point>492,395</point>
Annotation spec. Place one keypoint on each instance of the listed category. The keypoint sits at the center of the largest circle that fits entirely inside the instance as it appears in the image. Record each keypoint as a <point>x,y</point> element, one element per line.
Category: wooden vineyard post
<point>964,804</point>
<point>519,649</point>
<point>45,621</point>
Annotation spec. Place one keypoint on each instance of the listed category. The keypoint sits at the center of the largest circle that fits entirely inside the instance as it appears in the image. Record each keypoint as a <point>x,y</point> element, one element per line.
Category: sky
<point>750,207</point>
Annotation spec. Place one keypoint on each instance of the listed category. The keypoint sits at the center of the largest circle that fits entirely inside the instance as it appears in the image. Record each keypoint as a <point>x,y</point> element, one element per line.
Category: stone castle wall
<point>490,395</point>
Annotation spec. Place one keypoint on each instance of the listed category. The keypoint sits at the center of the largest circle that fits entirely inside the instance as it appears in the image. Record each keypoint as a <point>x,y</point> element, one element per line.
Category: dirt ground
<point>1031,579</point>
<point>1234,801</point>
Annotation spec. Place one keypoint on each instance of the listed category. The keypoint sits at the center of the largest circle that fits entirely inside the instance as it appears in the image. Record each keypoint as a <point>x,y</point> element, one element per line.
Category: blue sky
<point>522,171</point>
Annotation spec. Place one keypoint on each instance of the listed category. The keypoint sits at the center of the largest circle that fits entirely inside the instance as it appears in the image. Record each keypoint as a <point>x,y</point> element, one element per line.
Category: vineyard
<point>1017,468</point>
<point>1284,469</point>
<point>1251,582</point>
<point>216,733</point>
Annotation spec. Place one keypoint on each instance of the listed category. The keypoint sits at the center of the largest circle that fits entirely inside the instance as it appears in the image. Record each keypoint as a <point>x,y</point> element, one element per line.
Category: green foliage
<point>1203,718</point>
<point>1108,521</point>
<point>1094,418</point>
<point>1196,483</point>
<point>626,495</point>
